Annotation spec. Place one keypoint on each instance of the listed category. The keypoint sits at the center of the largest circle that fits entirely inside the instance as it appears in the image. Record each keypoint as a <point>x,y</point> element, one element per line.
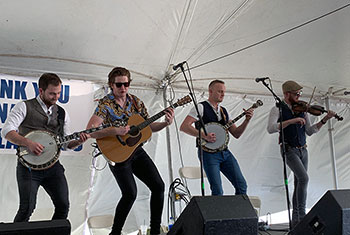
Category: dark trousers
<point>142,166</point>
<point>54,183</point>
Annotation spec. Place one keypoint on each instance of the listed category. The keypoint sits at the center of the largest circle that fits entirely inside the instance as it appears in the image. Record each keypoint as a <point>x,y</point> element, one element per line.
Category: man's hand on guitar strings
<point>169,116</point>
<point>122,130</point>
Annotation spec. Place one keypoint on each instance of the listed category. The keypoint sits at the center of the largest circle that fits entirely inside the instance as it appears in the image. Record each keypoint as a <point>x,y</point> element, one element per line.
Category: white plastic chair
<point>256,203</point>
<point>100,222</point>
<point>191,172</point>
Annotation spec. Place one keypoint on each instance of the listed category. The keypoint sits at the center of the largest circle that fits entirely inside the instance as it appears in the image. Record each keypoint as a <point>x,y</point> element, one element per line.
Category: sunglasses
<point>120,84</point>
<point>297,93</point>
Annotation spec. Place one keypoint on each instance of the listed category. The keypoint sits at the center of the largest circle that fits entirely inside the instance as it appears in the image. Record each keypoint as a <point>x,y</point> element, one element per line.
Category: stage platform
<point>275,229</point>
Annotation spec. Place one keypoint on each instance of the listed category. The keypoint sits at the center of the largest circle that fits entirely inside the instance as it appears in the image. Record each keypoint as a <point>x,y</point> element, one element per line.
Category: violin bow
<point>312,95</point>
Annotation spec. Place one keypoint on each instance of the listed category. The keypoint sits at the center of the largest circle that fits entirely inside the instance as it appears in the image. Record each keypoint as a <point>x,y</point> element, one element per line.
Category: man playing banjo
<point>220,159</point>
<point>40,113</point>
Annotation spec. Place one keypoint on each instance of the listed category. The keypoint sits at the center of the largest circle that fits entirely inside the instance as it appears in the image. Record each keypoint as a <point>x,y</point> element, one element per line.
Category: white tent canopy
<point>236,41</point>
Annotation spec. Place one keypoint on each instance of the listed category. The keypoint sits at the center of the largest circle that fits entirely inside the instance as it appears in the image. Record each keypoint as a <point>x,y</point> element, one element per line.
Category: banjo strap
<point>60,118</point>
<point>223,115</point>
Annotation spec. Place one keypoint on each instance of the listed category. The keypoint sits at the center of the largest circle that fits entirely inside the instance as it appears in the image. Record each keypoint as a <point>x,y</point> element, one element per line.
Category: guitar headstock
<point>185,100</point>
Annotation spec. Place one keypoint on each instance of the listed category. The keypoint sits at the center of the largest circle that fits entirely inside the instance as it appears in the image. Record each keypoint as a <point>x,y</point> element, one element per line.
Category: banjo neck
<point>254,106</point>
<point>76,135</point>
<point>229,124</point>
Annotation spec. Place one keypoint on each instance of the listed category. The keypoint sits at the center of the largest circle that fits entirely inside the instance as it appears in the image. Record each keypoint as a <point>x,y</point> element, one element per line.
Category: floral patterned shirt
<point>110,111</point>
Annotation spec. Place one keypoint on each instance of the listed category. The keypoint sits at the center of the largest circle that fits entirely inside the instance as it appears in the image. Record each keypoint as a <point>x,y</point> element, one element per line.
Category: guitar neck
<point>76,135</point>
<point>154,118</point>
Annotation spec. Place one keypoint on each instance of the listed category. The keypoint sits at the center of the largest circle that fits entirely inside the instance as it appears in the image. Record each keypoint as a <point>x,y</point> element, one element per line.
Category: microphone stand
<point>200,126</point>
<point>279,105</point>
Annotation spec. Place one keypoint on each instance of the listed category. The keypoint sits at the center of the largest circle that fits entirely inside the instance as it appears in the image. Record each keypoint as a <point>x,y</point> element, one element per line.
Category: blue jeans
<point>225,162</point>
<point>297,161</point>
<point>52,180</point>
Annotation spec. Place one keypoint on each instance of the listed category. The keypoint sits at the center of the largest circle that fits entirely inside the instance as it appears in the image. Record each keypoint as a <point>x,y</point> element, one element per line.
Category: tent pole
<point>170,163</point>
<point>331,143</point>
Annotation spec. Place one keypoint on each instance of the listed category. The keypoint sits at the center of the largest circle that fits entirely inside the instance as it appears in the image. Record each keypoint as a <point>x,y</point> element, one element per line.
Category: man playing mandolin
<point>118,105</point>
<point>40,113</point>
<point>295,125</point>
<point>221,159</point>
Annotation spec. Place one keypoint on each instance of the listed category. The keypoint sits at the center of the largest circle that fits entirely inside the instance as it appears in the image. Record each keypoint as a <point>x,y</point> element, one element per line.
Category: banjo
<point>221,132</point>
<point>52,146</point>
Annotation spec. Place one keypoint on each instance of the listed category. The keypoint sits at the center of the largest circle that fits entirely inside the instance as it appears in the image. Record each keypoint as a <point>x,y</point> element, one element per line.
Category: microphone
<point>175,67</point>
<point>261,79</point>
<point>346,92</point>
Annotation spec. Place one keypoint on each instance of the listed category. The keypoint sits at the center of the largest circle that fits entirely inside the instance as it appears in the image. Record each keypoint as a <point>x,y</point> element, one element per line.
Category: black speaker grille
<point>329,216</point>
<point>217,215</point>
<point>49,227</point>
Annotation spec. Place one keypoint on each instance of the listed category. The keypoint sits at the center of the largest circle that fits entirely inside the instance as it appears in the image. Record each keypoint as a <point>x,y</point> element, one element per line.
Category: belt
<point>297,147</point>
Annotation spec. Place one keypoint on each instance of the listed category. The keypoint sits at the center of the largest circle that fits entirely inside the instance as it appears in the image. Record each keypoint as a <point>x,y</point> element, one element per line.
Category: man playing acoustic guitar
<point>118,105</point>
<point>221,159</point>
<point>40,113</point>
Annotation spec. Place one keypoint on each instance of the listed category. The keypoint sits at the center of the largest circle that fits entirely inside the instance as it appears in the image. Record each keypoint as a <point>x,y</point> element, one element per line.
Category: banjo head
<point>222,136</point>
<point>49,155</point>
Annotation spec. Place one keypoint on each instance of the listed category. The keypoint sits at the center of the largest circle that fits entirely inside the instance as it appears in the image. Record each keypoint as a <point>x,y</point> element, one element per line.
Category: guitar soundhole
<point>131,141</point>
<point>134,131</point>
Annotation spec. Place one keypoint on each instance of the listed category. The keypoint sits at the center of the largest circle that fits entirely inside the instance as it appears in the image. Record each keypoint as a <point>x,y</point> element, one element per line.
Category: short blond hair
<point>212,83</point>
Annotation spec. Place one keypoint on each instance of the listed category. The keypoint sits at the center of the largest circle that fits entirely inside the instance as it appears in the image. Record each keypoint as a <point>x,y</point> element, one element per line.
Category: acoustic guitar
<point>119,148</point>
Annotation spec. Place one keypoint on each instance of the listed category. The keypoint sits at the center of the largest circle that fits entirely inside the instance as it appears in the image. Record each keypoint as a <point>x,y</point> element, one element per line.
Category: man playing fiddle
<point>295,126</point>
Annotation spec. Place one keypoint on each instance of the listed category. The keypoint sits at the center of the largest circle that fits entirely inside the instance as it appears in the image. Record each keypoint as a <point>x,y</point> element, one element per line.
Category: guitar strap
<point>133,100</point>
<point>60,118</point>
<point>138,109</point>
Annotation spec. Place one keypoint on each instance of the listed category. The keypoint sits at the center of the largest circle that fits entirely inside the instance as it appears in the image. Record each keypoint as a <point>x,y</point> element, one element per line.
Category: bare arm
<point>238,131</point>
<point>169,117</point>
<point>188,128</point>
<point>96,121</point>
<point>75,143</point>
<point>16,138</point>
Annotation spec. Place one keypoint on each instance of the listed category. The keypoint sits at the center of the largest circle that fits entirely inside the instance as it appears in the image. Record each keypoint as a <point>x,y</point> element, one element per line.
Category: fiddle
<point>316,110</point>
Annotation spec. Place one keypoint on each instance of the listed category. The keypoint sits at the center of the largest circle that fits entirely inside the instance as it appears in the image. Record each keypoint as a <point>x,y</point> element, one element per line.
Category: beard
<point>48,101</point>
<point>292,101</point>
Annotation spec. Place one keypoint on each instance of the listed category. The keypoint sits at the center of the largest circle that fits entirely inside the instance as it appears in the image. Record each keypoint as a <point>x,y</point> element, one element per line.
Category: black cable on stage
<point>270,38</point>
<point>177,191</point>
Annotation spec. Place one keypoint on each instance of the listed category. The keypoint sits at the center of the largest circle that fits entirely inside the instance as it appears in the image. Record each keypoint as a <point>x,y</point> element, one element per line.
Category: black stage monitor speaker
<point>50,227</point>
<point>217,215</point>
<point>330,215</point>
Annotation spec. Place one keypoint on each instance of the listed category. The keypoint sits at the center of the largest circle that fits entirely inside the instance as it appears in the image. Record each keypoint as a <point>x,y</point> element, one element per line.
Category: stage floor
<point>275,229</point>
